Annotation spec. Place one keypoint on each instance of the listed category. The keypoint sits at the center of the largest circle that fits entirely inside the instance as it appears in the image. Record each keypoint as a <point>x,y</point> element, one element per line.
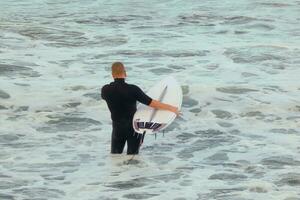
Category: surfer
<point>121,99</point>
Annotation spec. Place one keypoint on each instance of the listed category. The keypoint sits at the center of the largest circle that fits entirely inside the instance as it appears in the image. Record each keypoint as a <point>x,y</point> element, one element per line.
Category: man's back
<point>121,98</point>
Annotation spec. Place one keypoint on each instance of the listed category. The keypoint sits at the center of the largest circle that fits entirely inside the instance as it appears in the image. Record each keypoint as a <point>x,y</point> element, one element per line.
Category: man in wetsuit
<point>121,99</point>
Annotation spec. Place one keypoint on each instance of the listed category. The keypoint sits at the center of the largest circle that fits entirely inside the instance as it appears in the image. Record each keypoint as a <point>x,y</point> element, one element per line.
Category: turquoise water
<point>238,64</point>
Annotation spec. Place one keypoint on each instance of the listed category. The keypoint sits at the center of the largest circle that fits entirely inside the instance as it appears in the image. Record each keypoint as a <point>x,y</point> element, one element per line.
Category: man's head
<point>118,70</point>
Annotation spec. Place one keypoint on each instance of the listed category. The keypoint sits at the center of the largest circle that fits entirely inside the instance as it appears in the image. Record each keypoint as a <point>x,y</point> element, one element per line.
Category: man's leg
<point>118,138</point>
<point>117,145</point>
<point>133,143</point>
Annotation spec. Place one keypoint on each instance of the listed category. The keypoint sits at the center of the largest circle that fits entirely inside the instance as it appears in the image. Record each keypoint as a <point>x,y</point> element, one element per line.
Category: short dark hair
<point>117,68</point>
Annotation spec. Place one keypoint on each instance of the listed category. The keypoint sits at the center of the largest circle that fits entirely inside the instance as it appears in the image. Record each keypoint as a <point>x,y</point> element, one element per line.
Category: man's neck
<point>119,79</point>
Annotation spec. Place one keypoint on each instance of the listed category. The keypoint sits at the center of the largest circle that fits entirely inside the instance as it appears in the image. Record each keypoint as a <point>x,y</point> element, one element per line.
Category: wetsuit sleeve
<point>103,92</point>
<point>141,96</point>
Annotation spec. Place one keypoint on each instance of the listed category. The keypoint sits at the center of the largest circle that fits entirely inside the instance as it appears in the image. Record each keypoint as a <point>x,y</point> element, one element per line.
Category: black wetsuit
<point>121,99</point>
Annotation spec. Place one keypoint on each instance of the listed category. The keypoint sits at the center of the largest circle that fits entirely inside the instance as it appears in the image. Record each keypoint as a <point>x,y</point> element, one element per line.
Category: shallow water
<point>238,64</point>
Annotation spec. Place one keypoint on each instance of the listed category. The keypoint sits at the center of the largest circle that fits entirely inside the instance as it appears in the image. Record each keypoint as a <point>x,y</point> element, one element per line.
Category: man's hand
<point>175,110</point>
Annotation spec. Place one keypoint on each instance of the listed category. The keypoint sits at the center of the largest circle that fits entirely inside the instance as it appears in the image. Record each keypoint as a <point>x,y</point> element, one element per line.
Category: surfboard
<point>150,120</point>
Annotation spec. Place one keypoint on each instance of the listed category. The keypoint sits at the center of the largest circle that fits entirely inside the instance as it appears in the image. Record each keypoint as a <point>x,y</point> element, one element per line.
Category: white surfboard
<point>149,120</point>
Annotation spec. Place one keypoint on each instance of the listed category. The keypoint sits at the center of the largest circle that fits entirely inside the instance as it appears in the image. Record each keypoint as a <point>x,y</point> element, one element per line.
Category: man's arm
<point>103,92</point>
<point>163,106</point>
<point>145,99</point>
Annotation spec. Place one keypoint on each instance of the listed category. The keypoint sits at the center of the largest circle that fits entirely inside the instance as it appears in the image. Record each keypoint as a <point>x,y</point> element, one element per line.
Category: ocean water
<point>239,66</point>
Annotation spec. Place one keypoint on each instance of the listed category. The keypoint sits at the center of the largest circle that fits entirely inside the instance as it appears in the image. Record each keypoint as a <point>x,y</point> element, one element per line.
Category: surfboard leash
<point>142,139</point>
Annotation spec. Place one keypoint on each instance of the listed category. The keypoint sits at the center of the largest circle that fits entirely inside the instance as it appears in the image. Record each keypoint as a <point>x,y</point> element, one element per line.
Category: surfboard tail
<point>151,126</point>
